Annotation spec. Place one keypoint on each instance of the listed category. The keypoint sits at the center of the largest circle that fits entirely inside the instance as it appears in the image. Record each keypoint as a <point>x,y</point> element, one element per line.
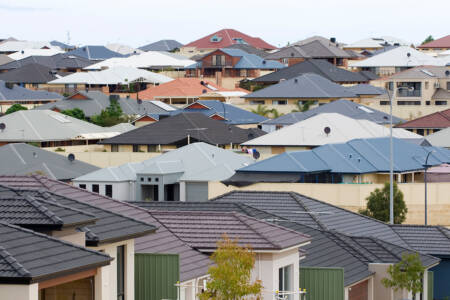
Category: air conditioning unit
<point>437,85</point>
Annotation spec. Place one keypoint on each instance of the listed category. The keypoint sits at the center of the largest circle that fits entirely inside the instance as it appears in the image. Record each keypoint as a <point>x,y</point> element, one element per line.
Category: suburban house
<point>183,91</point>
<point>229,66</point>
<point>423,90</point>
<point>177,175</point>
<point>317,66</point>
<point>180,130</point>
<point>440,138</point>
<point>428,124</point>
<point>126,81</point>
<point>321,129</point>
<point>342,106</point>
<point>94,52</point>
<point>11,94</point>
<point>375,43</point>
<point>222,39</point>
<point>63,46</point>
<point>396,60</point>
<point>356,161</point>
<point>31,76</point>
<point>11,46</point>
<point>436,46</point>
<point>58,62</point>
<point>22,159</point>
<point>122,49</point>
<point>314,48</point>
<point>34,52</point>
<point>47,128</point>
<point>5,59</point>
<point>90,249</point>
<point>93,102</point>
<point>288,94</point>
<point>162,45</point>
<point>246,48</point>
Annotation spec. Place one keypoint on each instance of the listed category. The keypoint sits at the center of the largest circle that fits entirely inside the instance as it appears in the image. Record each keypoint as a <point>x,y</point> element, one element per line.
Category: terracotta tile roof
<point>228,37</point>
<point>440,119</point>
<point>443,42</point>
<point>181,87</point>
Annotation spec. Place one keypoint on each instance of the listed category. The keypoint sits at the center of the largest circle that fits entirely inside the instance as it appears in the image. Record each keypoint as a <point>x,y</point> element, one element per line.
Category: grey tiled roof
<point>22,159</point>
<point>249,49</point>
<point>162,45</point>
<point>56,62</point>
<point>30,73</point>
<point>317,66</point>
<point>313,49</point>
<point>176,129</point>
<point>19,93</point>
<point>427,239</point>
<point>28,257</point>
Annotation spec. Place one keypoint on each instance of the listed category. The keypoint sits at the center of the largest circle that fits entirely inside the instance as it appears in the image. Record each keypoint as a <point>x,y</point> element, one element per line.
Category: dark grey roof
<point>55,62</point>
<point>94,52</point>
<point>249,49</point>
<point>317,66</point>
<point>62,45</point>
<point>30,73</point>
<point>22,159</point>
<point>313,49</point>
<point>162,45</point>
<point>4,59</point>
<point>27,256</point>
<point>110,226</point>
<point>341,106</point>
<point>37,213</point>
<point>98,101</point>
<point>307,85</point>
<point>366,89</point>
<point>175,130</point>
<point>19,93</point>
<point>427,239</point>
<point>369,75</point>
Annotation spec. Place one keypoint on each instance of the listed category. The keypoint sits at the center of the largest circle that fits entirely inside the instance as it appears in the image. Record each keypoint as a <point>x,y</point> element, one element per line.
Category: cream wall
<point>19,291</point>
<point>71,235</point>
<point>106,278</point>
<point>352,196</point>
<point>123,191</point>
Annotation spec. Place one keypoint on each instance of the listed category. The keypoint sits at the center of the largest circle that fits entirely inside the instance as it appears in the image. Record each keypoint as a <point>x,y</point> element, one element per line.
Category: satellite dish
<point>139,101</point>
<point>256,154</point>
<point>71,157</point>
<point>327,130</point>
<point>2,126</point>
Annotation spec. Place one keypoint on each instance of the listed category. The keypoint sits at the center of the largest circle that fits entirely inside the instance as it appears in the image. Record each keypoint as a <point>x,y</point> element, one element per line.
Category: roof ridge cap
<point>48,213</point>
<point>336,235</point>
<point>13,262</point>
<point>55,202</point>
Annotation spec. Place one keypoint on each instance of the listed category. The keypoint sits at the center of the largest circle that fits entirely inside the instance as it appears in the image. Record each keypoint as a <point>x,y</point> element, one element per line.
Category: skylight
<point>365,109</point>
<point>60,118</point>
<point>215,39</point>
<point>427,72</point>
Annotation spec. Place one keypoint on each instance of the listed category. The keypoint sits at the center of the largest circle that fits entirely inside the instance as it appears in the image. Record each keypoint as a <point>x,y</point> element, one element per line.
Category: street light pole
<point>391,161</point>
<point>425,179</point>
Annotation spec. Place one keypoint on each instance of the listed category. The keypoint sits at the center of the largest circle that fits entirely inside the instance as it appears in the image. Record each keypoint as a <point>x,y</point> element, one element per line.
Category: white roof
<point>122,49</point>
<point>118,74</point>
<point>440,138</point>
<point>34,52</point>
<point>398,57</point>
<point>196,162</point>
<point>163,105</point>
<point>377,42</point>
<point>227,93</point>
<point>14,46</point>
<point>48,125</point>
<point>144,60</point>
<point>310,132</point>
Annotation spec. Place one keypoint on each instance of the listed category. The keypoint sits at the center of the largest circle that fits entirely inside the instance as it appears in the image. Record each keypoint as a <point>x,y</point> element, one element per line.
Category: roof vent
<point>333,40</point>
<point>295,80</point>
<point>292,54</point>
<point>263,62</point>
<point>447,73</point>
<point>282,79</point>
<point>34,154</point>
<point>396,44</point>
<point>84,49</point>
<point>408,54</point>
<point>22,52</point>
<point>327,130</point>
<point>202,82</point>
<point>71,157</point>
<point>204,91</point>
<point>2,126</point>
<point>139,101</point>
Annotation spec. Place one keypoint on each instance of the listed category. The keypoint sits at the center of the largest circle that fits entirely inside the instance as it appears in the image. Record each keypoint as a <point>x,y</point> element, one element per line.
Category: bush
<point>15,107</point>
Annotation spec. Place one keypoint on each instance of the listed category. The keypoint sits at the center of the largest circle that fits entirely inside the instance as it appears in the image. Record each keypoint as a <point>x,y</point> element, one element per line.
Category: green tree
<point>261,110</point>
<point>302,107</point>
<point>76,113</point>
<point>428,39</point>
<point>230,276</point>
<point>275,114</point>
<point>110,116</point>
<point>406,274</point>
<point>14,108</point>
<point>378,205</point>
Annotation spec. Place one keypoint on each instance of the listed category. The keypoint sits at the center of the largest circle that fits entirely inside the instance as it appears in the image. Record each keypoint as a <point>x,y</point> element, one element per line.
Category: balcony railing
<point>407,93</point>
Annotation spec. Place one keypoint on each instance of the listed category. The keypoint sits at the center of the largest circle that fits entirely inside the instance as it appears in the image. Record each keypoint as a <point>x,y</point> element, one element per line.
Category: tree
<point>76,113</point>
<point>406,274</point>
<point>261,110</point>
<point>15,107</point>
<point>275,114</point>
<point>110,116</point>
<point>428,39</point>
<point>231,273</point>
<point>378,205</point>
<point>302,107</point>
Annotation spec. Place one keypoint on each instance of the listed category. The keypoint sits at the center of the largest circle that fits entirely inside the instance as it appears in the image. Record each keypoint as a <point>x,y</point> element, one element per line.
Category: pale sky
<point>138,22</point>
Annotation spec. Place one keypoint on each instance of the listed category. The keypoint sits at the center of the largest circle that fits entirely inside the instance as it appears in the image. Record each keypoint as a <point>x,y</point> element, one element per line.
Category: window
<point>108,190</point>
<point>408,102</point>
<point>384,102</point>
<point>440,102</point>
<point>120,259</point>
<point>243,73</point>
<point>279,102</point>
<point>151,148</point>
<point>420,131</point>
<point>149,179</point>
<point>427,102</point>
<point>135,148</point>
<point>156,179</point>
<point>405,92</point>
<point>215,39</point>
<point>257,102</point>
<point>95,188</point>
<point>218,60</point>
<point>114,148</point>
<point>82,186</point>
<point>285,280</point>
<point>448,85</point>
<point>426,85</point>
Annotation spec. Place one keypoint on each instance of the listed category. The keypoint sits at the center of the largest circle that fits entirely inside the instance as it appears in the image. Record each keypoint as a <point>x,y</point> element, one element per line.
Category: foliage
<point>59,149</point>
<point>249,85</point>
<point>261,110</point>
<point>231,273</point>
<point>110,116</point>
<point>15,107</point>
<point>275,114</point>
<point>302,107</point>
<point>406,274</point>
<point>428,39</point>
<point>378,205</point>
<point>75,113</point>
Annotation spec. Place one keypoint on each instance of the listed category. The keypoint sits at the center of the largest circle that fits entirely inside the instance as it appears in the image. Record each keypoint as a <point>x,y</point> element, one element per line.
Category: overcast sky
<point>136,22</point>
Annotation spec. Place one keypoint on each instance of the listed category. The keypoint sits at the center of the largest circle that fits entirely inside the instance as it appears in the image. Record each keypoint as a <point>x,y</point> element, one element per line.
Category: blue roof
<point>357,156</point>
<point>232,114</point>
<point>247,61</point>
<point>94,53</point>
<point>20,93</point>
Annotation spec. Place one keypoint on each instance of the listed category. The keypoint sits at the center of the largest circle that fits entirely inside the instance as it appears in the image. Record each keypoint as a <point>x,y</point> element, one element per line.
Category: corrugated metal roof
<point>440,138</point>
